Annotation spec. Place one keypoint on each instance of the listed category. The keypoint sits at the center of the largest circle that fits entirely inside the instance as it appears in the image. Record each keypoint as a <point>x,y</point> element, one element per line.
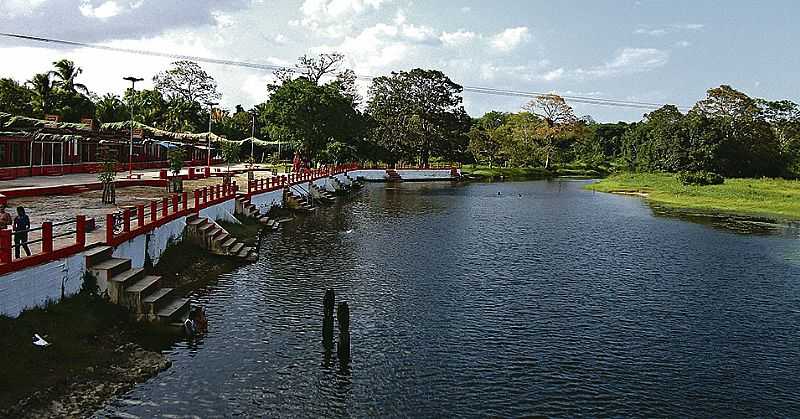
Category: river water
<point>544,300</point>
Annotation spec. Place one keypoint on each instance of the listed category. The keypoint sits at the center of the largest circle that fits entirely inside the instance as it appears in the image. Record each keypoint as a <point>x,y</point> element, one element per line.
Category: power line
<point>588,100</point>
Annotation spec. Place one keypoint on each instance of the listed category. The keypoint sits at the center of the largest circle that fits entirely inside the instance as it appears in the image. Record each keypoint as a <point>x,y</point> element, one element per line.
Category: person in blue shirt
<point>21,225</point>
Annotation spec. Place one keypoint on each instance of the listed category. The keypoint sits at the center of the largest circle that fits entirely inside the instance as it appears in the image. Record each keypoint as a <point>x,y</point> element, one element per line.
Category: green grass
<point>773,198</point>
<point>84,332</point>
<point>247,231</point>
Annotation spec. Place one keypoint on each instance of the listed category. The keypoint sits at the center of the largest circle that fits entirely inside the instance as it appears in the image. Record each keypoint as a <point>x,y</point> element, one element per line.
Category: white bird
<point>348,231</point>
<point>38,341</point>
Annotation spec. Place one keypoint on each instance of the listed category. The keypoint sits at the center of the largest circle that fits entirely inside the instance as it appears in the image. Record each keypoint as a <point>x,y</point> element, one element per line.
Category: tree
<point>518,138</point>
<point>176,157</point>
<point>314,69</point>
<point>559,120</point>
<point>484,138</point>
<point>42,89</point>
<point>784,119</point>
<point>186,81</point>
<point>64,75</point>
<point>311,115</point>
<point>110,108</point>
<point>417,113</point>
<point>746,143</point>
<point>15,98</point>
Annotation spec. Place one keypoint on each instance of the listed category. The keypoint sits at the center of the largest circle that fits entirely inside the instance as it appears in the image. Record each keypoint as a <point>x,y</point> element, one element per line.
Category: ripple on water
<point>465,303</point>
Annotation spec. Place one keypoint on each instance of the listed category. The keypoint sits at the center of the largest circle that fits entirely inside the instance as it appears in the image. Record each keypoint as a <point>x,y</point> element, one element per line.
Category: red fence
<point>8,173</point>
<point>49,249</point>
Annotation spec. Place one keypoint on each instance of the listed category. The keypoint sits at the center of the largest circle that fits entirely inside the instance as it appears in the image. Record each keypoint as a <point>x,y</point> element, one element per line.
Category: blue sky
<point>641,50</point>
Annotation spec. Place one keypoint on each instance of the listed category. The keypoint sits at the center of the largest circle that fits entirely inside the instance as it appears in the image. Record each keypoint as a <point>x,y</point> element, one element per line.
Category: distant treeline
<point>417,116</point>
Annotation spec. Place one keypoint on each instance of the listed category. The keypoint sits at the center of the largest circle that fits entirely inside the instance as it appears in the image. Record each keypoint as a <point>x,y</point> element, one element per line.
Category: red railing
<point>212,195</point>
<point>257,186</point>
<point>409,166</point>
<point>49,249</point>
<point>119,225</point>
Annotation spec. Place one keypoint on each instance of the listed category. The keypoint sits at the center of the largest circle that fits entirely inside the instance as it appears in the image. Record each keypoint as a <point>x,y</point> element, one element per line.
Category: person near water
<point>5,218</point>
<point>21,226</point>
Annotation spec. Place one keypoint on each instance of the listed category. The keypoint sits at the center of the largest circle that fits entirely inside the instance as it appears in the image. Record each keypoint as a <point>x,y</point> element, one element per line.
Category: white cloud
<point>661,31</point>
<point>511,38</point>
<point>466,9</point>
<point>457,38</point>
<point>333,18</point>
<point>104,11</point>
<point>628,61</point>
<point>683,44</point>
<point>14,8</point>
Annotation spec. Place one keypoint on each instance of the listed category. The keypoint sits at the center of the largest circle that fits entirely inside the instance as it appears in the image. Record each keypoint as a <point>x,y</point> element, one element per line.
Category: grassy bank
<point>773,198</point>
<point>90,341</point>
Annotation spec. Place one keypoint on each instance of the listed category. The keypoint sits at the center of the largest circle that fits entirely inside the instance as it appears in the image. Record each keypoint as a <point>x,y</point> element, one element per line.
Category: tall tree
<point>42,88</point>
<point>311,115</point>
<point>484,137</point>
<point>186,81</point>
<point>15,98</point>
<point>417,113</point>
<point>110,108</point>
<point>559,120</point>
<point>65,74</point>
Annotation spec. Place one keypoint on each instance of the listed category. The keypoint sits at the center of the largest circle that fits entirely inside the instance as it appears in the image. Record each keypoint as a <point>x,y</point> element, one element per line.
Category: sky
<point>661,51</point>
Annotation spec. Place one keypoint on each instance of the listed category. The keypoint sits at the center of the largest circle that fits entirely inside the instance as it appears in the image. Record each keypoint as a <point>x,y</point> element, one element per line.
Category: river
<point>543,300</point>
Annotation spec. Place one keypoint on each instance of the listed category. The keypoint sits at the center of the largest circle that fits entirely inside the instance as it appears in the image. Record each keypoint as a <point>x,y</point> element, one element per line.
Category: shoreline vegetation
<point>97,350</point>
<point>486,173</point>
<point>777,199</point>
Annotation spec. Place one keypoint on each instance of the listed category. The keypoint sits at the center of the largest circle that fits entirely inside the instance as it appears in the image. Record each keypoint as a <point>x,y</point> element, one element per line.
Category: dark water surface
<point>561,302</point>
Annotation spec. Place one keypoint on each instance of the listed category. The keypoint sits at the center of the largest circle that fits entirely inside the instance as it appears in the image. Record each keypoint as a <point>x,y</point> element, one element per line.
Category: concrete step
<point>120,282</point>
<point>197,221</point>
<point>236,248</point>
<point>174,311</point>
<point>109,268</point>
<point>229,242</point>
<point>191,217</point>
<point>214,232</point>
<point>205,228</point>
<point>154,302</point>
<point>222,238</point>
<point>135,294</point>
<point>97,254</point>
<point>248,253</point>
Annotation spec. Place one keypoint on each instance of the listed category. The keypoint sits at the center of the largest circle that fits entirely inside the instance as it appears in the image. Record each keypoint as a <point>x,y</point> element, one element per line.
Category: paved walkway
<point>84,178</point>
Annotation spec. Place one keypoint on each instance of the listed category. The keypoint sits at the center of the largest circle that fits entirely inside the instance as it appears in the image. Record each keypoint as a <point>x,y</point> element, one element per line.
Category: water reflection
<point>560,302</point>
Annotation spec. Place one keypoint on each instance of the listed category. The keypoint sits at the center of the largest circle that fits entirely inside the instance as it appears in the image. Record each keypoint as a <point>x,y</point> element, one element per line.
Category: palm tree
<point>65,74</point>
<point>42,87</point>
<point>111,109</point>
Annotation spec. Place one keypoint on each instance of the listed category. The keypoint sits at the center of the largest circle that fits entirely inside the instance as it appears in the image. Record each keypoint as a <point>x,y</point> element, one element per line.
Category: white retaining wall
<point>221,212</point>
<point>407,174</point>
<point>34,286</point>
<point>265,201</point>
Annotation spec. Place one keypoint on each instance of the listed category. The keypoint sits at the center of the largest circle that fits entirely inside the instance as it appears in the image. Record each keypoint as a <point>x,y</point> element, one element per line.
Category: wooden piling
<point>328,303</point>
<point>343,349</point>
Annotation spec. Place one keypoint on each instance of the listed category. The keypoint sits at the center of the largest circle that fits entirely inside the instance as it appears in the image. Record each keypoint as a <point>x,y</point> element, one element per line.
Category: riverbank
<point>777,199</point>
<point>486,173</point>
<point>96,349</point>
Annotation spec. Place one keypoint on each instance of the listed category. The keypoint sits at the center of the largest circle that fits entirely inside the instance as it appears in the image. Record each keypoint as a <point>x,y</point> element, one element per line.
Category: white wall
<point>440,174</point>
<point>36,285</point>
<point>163,236</point>
<point>369,175</point>
<point>221,212</point>
<point>342,177</point>
<point>265,201</point>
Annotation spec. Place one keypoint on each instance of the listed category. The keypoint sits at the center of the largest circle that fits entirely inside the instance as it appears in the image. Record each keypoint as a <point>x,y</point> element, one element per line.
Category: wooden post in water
<point>329,302</point>
<point>343,350</point>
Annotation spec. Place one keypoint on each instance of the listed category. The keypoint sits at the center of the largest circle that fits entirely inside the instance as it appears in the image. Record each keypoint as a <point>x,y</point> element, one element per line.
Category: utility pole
<point>252,137</point>
<point>210,113</point>
<point>133,81</point>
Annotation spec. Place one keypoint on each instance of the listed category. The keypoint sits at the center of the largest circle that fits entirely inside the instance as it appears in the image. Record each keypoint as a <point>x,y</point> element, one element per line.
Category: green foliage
<point>418,114</point>
<point>230,152</point>
<point>188,82</point>
<point>701,178</point>
<point>176,157</point>
<point>15,98</point>
<point>89,287</point>
<point>312,115</point>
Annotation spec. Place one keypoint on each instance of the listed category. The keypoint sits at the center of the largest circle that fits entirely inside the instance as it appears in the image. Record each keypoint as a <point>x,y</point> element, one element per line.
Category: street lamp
<point>133,81</point>
<point>210,113</point>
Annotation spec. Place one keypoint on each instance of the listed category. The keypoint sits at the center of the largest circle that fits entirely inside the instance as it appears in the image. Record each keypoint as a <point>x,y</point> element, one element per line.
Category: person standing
<point>5,218</point>
<point>21,226</point>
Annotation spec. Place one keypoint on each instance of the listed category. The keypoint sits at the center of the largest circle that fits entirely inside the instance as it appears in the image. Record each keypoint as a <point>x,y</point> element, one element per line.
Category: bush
<point>700,178</point>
